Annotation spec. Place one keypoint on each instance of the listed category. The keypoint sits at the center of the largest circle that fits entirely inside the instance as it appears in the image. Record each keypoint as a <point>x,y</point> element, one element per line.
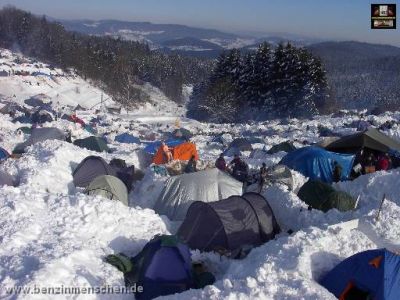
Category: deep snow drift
<point>51,234</point>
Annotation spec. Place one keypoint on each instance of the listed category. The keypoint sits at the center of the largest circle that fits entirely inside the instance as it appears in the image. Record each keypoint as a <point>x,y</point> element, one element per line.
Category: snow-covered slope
<point>52,234</point>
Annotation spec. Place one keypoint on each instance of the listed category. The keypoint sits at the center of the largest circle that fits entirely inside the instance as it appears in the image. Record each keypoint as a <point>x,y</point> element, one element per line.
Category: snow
<point>52,234</point>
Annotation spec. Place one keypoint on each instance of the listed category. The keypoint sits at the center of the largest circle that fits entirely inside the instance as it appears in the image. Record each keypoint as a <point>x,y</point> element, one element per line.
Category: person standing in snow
<point>384,162</point>
<point>220,163</point>
<point>337,171</point>
<point>263,176</point>
<point>191,166</point>
<point>167,152</point>
<point>369,164</point>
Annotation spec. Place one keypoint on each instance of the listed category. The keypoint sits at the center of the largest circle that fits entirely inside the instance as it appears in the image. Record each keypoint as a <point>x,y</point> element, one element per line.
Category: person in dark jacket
<point>220,163</point>
<point>191,166</point>
<point>263,176</point>
<point>337,171</point>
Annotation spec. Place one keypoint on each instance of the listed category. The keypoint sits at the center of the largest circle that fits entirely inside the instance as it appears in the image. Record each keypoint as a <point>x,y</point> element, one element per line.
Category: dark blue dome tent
<point>317,163</point>
<point>373,274</point>
<point>163,267</point>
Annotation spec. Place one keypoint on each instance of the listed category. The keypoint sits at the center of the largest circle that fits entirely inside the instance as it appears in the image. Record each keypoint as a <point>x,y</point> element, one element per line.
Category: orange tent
<point>181,152</point>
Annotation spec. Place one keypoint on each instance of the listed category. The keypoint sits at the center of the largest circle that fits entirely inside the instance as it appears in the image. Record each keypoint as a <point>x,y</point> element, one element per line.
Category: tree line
<point>117,65</point>
<point>284,81</point>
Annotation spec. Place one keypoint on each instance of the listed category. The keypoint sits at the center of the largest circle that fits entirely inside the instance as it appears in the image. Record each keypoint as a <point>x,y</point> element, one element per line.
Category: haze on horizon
<point>328,19</point>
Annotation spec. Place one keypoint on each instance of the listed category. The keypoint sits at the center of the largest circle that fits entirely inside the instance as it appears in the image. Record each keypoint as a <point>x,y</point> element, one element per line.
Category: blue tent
<point>3,154</point>
<point>127,138</point>
<point>317,163</point>
<point>164,268</point>
<point>373,273</point>
<point>152,148</point>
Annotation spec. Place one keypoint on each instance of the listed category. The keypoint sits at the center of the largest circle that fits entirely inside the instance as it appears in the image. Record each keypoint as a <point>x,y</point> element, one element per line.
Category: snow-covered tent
<point>93,143</point>
<point>41,116</point>
<point>231,226</point>
<point>284,146</point>
<point>39,135</point>
<point>6,179</point>
<point>182,133</point>
<point>206,186</point>
<point>109,187</point>
<point>34,102</point>
<point>238,145</point>
<point>90,168</point>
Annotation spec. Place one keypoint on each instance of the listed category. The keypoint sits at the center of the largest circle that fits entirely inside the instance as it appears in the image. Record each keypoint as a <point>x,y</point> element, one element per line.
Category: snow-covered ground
<point>51,234</point>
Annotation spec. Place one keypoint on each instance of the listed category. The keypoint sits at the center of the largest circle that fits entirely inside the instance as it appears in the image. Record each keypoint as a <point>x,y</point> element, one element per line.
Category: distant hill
<point>182,39</point>
<point>363,75</point>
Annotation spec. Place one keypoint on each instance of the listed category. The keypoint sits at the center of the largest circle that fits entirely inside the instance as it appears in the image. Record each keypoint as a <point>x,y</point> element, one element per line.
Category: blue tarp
<point>127,138</point>
<point>152,147</point>
<point>374,271</point>
<point>317,163</point>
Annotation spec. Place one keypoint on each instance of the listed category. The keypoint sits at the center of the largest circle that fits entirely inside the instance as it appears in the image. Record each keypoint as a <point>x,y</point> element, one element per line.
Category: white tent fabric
<point>206,186</point>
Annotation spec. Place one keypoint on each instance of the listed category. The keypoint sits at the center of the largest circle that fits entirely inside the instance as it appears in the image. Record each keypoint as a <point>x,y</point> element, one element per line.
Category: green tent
<point>322,196</point>
<point>372,139</point>
<point>93,143</point>
<point>285,146</point>
<point>110,187</point>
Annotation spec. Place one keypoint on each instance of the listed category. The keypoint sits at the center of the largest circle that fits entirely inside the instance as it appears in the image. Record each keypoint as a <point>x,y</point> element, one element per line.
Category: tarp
<point>109,187</point>
<point>93,143</point>
<point>207,186</point>
<point>39,135</point>
<point>90,168</point>
<point>183,151</point>
<point>127,138</point>
<point>235,224</point>
<point>324,197</point>
<point>372,139</point>
<point>317,163</point>
<point>152,148</point>
<point>375,272</point>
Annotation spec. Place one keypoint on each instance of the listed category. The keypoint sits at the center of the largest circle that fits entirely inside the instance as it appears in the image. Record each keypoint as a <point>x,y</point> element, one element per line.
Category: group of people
<point>238,168</point>
<point>369,162</point>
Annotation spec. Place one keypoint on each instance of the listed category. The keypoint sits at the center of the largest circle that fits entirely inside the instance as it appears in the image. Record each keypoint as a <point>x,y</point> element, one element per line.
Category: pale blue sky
<point>330,19</point>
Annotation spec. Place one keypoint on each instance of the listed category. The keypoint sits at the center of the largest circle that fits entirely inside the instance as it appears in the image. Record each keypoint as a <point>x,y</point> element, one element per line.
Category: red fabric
<point>383,163</point>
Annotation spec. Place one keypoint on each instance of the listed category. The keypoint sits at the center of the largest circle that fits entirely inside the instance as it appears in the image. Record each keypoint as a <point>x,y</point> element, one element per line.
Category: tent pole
<point>380,208</point>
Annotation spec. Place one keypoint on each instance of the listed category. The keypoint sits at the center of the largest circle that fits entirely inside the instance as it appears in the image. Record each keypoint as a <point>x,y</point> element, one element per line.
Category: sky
<point>327,19</point>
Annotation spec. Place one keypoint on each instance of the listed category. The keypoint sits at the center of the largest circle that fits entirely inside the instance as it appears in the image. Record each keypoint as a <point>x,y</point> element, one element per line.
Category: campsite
<point>97,194</point>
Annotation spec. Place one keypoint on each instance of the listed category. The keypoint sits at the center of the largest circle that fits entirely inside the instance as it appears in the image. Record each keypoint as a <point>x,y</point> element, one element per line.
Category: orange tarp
<point>181,152</point>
